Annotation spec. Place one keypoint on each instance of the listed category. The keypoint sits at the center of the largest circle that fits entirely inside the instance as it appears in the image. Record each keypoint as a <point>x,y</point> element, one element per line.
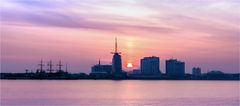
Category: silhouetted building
<point>116,61</point>
<point>99,68</point>
<point>150,65</point>
<point>100,71</point>
<point>136,71</point>
<point>175,67</point>
<point>215,72</point>
<point>196,71</point>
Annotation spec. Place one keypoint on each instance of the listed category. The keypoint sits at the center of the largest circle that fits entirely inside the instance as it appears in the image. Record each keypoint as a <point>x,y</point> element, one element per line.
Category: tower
<point>116,60</point>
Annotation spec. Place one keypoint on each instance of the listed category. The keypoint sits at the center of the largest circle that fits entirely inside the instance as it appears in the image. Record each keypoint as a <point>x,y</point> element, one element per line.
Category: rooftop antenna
<point>99,65</point>
<point>41,65</point>
<point>59,65</point>
<point>99,62</point>
<point>50,66</point>
<point>116,45</point>
<point>116,49</point>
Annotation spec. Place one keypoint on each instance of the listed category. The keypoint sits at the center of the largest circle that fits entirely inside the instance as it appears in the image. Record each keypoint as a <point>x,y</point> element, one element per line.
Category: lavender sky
<point>202,33</point>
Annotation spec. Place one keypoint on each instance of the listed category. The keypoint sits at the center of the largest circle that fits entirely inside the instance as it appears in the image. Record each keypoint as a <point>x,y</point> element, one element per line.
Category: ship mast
<point>59,66</point>
<point>50,66</point>
<point>41,65</point>
<point>66,67</point>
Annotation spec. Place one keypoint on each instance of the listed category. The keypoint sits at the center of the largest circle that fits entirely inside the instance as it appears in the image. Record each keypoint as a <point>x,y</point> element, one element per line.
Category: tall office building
<point>150,65</point>
<point>175,67</point>
<point>116,61</point>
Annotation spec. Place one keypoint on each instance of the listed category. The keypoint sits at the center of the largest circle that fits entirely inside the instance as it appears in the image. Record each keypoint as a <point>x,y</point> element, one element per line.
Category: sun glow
<point>129,65</point>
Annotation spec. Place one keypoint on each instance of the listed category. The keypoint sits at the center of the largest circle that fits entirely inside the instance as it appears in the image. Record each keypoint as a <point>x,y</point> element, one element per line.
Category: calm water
<point>108,93</point>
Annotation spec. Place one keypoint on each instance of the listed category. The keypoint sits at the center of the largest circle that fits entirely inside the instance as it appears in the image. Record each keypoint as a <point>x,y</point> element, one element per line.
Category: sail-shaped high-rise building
<point>116,61</point>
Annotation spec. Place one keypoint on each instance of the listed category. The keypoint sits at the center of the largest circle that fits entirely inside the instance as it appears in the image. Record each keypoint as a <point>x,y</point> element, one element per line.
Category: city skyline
<point>59,31</point>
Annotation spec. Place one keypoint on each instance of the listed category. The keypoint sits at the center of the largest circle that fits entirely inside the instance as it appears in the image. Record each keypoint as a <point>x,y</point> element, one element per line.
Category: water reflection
<point>106,92</point>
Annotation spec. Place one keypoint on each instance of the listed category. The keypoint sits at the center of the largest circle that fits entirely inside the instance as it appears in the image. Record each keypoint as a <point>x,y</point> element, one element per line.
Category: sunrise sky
<point>202,33</point>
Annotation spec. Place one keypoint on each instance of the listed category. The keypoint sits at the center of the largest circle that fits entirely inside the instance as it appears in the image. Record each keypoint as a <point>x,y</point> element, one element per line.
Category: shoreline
<point>83,76</point>
<point>136,79</point>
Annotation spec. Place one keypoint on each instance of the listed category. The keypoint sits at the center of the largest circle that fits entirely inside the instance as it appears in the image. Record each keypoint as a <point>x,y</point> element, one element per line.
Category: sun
<point>129,65</point>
